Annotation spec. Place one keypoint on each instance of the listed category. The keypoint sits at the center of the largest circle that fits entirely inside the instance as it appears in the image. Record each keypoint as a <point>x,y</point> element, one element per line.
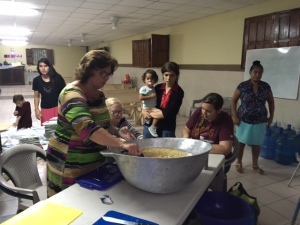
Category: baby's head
<point>18,100</point>
<point>150,76</point>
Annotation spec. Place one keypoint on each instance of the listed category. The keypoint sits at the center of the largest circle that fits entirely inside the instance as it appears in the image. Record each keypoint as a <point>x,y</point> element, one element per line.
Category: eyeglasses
<point>104,74</point>
<point>117,112</point>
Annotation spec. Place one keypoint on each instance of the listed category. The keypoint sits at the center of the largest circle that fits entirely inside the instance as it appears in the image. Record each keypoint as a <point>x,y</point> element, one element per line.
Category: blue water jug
<point>284,153</point>
<point>297,142</point>
<point>289,130</point>
<point>267,149</point>
<point>275,128</point>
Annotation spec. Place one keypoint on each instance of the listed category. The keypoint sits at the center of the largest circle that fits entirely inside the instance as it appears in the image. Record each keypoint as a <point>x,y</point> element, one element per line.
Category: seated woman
<point>117,119</point>
<point>210,123</point>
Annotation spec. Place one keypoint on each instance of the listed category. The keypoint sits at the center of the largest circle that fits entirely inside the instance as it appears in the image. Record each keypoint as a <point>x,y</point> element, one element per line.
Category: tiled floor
<point>277,201</point>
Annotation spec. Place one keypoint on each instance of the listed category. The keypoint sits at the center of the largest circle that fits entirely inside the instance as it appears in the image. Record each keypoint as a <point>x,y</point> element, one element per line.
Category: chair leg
<point>296,212</point>
<point>294,174</point>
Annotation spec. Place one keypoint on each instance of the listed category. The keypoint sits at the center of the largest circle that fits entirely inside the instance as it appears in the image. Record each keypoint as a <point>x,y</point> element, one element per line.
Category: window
<point>33,55</point>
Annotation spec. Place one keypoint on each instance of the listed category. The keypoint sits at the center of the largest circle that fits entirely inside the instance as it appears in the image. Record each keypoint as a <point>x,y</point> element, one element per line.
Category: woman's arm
<point>235,98</point>
<point>224,147</point>
<point>36,105</point>
<point>186,132</point>
<point>270,100</point>
<point>102,137</point>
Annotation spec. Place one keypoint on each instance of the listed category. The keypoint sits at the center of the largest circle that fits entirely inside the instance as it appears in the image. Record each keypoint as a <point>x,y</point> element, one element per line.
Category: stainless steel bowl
<point>162,175</point>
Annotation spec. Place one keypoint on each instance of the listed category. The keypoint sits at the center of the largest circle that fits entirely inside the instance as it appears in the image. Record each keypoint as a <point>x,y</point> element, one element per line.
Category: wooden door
<point>50,56</point>
<point>287,28</point>
<point>141,53</point>
<point>159,49</point>
<point>29,56</point>
<point>258,33</point>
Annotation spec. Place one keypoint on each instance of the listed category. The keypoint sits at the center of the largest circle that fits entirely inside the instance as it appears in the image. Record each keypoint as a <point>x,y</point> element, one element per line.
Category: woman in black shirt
<point>46,87</point>
<point>169,99</point>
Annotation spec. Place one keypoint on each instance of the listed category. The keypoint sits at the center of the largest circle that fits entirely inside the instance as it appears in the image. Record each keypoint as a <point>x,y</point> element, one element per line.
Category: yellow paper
<point>46,213</point>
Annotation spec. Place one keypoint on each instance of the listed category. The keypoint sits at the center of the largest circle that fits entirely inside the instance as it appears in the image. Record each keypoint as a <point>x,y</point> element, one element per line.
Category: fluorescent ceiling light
<point>13,38</point>
<point>14,31</point>
<point>17,9</point>
<point>14,43</point>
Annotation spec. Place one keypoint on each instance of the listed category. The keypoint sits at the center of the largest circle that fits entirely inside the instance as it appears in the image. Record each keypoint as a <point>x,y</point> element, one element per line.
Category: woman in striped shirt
<point>83,126</point>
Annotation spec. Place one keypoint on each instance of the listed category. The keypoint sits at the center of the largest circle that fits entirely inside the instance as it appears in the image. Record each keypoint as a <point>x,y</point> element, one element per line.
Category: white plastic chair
<point>227,105</point>
<point>19,163</point>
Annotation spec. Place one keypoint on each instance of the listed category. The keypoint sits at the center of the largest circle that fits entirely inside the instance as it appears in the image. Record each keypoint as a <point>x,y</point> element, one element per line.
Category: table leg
<point>218,182</point>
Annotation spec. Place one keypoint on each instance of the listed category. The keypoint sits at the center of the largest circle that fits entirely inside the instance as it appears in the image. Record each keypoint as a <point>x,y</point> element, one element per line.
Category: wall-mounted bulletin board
<point>281,69</point>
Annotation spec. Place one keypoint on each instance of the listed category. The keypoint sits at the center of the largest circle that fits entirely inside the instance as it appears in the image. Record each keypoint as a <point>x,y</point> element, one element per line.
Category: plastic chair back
<point>19,163</point>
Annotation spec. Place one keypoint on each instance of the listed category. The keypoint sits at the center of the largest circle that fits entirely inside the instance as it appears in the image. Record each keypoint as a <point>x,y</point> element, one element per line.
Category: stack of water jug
<point>281,144</point>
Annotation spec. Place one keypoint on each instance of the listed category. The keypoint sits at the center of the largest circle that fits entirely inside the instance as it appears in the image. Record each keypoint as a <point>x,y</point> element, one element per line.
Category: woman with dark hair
<point>46,87</point>
<point>83,126</point>
<point>211,124</point>
<point>169,97</point>
<point>251,117</point>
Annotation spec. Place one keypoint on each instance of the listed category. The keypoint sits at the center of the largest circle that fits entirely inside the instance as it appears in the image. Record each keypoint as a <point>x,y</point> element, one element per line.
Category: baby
<point>148,97</point>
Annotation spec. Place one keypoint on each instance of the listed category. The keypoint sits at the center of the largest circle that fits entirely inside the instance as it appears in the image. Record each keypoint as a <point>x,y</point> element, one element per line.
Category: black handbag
<point>238,190</point>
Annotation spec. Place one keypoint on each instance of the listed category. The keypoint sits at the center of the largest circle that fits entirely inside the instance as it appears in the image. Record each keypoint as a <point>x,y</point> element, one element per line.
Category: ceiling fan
<point>115,20</point>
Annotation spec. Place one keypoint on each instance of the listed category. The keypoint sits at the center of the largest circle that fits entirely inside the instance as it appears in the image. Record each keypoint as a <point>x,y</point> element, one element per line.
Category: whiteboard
<point>281,69</point>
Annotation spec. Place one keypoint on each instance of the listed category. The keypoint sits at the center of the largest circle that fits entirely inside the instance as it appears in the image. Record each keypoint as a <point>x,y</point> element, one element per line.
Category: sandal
<point>257,169</point>
<point>239,168</point>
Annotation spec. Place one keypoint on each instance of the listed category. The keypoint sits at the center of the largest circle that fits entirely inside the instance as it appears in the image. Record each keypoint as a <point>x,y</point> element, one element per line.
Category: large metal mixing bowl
<point>162,175</point>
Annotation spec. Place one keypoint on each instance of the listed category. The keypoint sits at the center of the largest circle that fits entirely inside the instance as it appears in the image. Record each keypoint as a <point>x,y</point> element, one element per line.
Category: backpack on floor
<point>238,190</point>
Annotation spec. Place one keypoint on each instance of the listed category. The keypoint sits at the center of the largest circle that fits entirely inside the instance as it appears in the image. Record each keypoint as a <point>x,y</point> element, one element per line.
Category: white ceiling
<point>60,20</point>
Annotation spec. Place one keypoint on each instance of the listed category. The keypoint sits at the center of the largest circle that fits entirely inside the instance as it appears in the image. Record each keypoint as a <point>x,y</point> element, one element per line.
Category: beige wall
<point>212,40</point>
<point>65,58</point>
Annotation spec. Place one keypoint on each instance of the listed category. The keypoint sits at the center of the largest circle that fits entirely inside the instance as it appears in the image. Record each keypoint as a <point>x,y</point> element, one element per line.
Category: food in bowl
<point>164,153</point>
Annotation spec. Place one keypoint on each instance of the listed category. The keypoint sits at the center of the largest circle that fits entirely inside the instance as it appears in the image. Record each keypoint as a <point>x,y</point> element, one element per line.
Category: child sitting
<point>117,119</point>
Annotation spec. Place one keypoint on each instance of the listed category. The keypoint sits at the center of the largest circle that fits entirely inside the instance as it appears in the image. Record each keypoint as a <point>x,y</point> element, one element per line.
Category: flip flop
<point>239,168</point>
<point>257,169</point>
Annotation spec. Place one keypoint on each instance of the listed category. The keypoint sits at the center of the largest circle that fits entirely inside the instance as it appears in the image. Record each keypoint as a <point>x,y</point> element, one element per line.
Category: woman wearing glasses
<point>117,119</point>
<point>83,126</point>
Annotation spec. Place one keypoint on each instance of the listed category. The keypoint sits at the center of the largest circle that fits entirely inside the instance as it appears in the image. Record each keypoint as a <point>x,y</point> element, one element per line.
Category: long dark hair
<point>52,72</point>
<point>215,99</point>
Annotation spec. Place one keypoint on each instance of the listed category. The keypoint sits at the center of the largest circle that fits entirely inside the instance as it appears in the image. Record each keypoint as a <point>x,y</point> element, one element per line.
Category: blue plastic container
<point>289,130</point>
<point>284,153</point>
<point>297,142</point>
<point>222,208</point>
<point>267,149</point>
<point>275,128</point>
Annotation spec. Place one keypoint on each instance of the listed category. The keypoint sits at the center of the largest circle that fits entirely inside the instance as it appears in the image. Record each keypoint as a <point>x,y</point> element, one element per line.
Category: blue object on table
<point>123,216</point>
<point>101,178</point>
<point>222,208</point>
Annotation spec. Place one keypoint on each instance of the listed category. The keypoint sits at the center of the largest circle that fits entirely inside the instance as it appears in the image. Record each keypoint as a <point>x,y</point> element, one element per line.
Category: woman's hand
<point>126,134</point>
<point>38,114</point>
<point>269,121</point>
<point>132,148</point>
<point>236,120</point>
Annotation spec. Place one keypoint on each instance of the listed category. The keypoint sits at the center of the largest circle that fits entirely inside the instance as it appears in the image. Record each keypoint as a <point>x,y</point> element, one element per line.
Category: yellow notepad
<point>46,213</point>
